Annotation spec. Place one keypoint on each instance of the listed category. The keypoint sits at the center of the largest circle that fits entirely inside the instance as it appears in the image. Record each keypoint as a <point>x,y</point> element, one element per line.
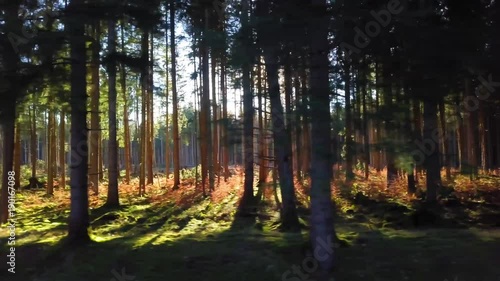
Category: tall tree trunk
<point>62,149</point>
<point>33,141</point>
<point>282,146</point>
<point>112,199</point>
<point>51,148</point>
<point>321,204</point>
<point>392,171</point>
<point>225,134</point>
<point>123,81</point>
<point>205,106</point>
<point>306,145</point>
<point>144,107</point>
<point>79,213</point>
<point>95,133</point>
<point>298,128</point>
<point>432,157</point>
<point>348,120</point>
<point>150,129</point>
<point>262,131</point>
<point>215,144</point>
<point>175,115</point>
<point>444,133</point>
<point>366,133</point>
<point>8,127</point>
<point>247,109</point>
<point>167,84</point>
<point>17,156</point>
<point>282,142</point>
<point>288,104</point>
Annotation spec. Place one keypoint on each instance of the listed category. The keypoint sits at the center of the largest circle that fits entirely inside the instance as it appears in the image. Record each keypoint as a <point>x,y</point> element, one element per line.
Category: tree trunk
<point>348,120</point>
<point>248,110</point>
<point>144,107</point>
<point>112,199</point>
<point>206,98</point>
<point>150,120</point>
<point>8,126</point>
<point>17,156</point>
<point>444,133</point>
<point>123,81</point>
<point>282,146</point>
<point>322,229</point>
<point>225,146</point>
<point>33,141</point>
<point>432,154</point>
<point>175,115</point>
<point>167,83</point>
<point>95,133</point>
<point>215,145</point>
<point>79,213</point>
<point>62,149</point>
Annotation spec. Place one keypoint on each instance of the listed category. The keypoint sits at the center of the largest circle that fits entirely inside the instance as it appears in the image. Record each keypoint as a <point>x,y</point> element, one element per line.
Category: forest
<point>292,140</point>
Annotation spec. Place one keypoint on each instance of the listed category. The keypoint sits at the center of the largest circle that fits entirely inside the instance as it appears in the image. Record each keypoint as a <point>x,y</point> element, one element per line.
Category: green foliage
<point>191,173</point>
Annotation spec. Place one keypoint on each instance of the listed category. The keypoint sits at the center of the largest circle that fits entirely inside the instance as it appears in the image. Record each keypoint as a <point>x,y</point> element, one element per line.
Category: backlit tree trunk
<point>321,170</point>
<point>79,210</point>
<point>112,199</point>
<point>175,113</point>
<point>95,133</point>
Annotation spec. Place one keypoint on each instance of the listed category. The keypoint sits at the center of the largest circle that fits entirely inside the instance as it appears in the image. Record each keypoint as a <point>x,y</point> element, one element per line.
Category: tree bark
<point>321,171</point>
<point>432,154</point>
<point>79,210</point>
<point>112,200</point>
<point>175,115</point>
<point>95,133</point>
<point>248,110</point>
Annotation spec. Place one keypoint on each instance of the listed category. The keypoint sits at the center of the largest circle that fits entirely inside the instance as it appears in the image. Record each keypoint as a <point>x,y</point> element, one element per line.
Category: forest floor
<point>182,235</point>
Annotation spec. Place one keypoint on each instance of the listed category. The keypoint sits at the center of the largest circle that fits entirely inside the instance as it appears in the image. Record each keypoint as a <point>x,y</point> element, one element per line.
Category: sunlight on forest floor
<point>181,235</point>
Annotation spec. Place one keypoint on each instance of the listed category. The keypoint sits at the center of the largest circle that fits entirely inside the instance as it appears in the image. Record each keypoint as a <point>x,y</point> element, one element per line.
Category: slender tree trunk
<point>248,111</point>
<point>17,156</point>
<point>34,142</point>
<point>298,129</point>
<point>215,145</point>
<point>51,149</point>
<point>348,120</point>
<point>167,84</point>
<point>321,171</point>
<point>262,132</point>
<point>432,157</point>
<point>151,136</point>
<point>175,105</point>
<point>144,107</point>
<point>8,126</point>
<point>392,171</point>
<point>62,149</point>
<point>288,104</point>
<point>482,138</point>
<point>282,146</point>
<point>79,213</point>
<point>444,133</point>
<point>223,86</point>
<point>366,134</point>
<point>95,133</point>
<point>112,199</point>
<point>306,145</point>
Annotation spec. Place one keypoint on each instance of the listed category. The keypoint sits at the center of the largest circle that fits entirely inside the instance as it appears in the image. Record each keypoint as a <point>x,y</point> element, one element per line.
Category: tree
<point>112,199</point>
<point>282,142</point>
<point>175,113</point>
<point>247,108</point>
<point>321,169</point>
<point>79,212</point>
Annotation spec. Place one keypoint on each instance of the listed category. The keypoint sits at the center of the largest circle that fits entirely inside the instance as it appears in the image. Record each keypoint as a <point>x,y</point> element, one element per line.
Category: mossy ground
<point>181,235</point>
